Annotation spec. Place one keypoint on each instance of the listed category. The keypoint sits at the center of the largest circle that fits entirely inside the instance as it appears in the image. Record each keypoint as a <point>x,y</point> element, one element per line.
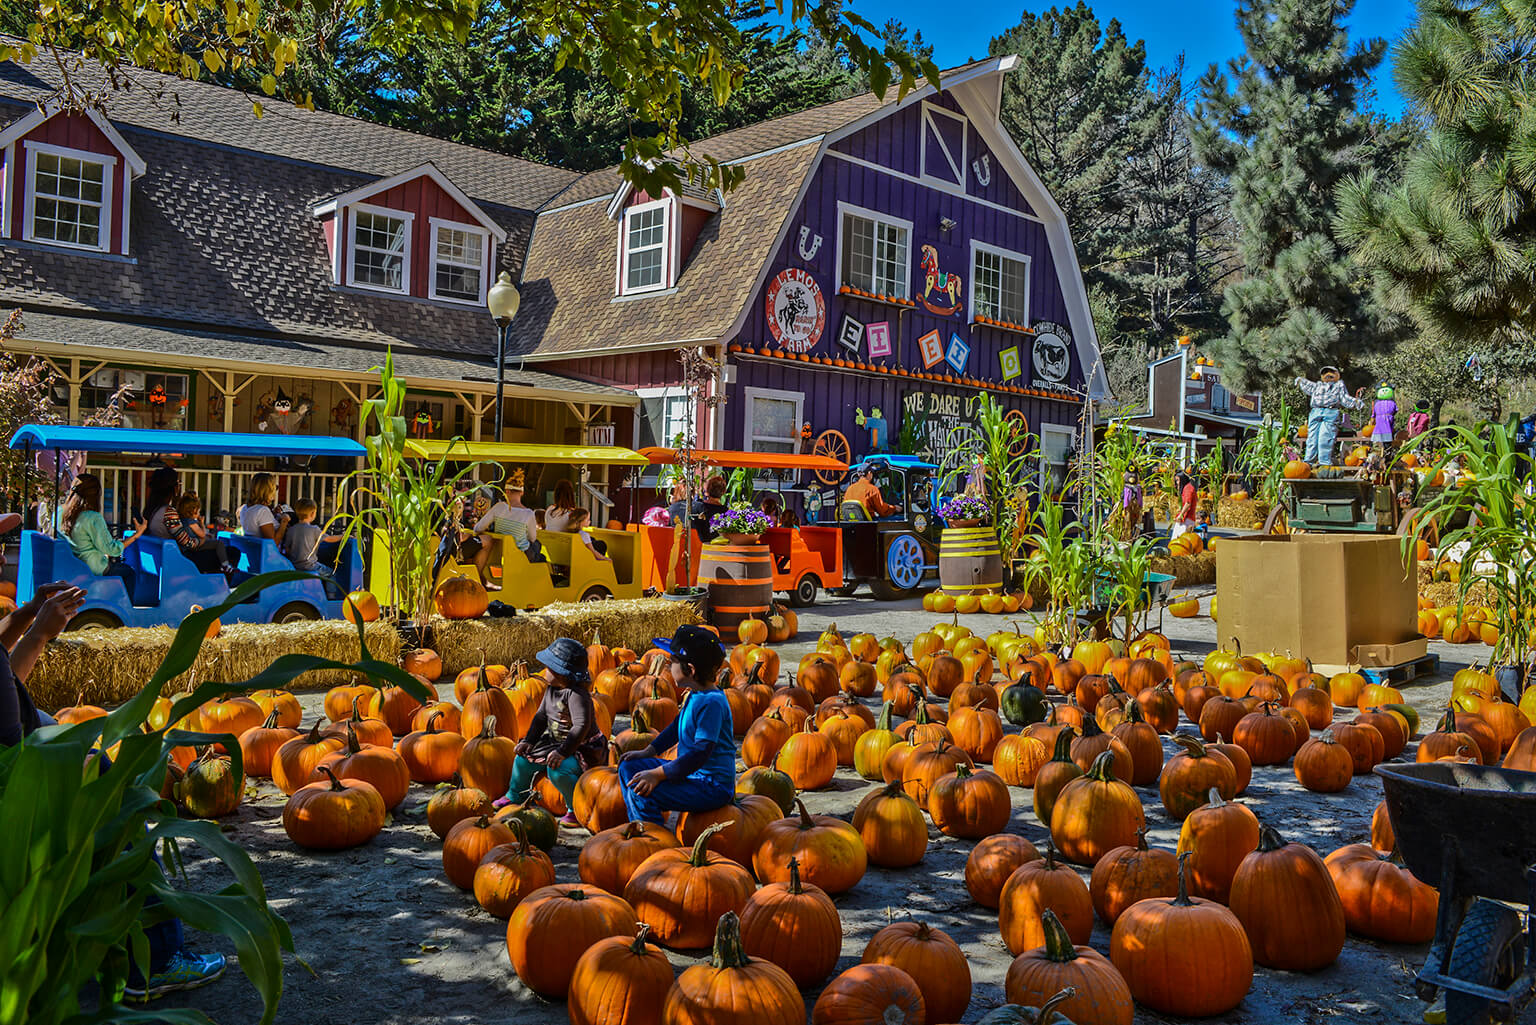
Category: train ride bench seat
<point>163,574</point>
<point>51,558</point>
<point>853,512</point>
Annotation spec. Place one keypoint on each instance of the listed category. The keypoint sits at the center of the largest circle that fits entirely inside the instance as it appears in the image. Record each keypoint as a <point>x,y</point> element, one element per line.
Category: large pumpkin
<point>452,804</point>
<point>969,804</point>
<point>934,961</point>
<point>210,788</point>
<point>487,759</point>
<point>259,746</point>
<point>808,757</point>
<point>1018,759</point>
<point>681,893</point>
<point>296,759</point>
<point>620,981</point>
<point>1186,957</point>
<point>1287,902</point>
<point>598,798</point>
<point>992,862</point>
<point>332,815</point>
<point>381,766</point>
<point>1217,836</point>
<point>1095,814</point>
<point>1323,765</point>
<point>509,872</point>
<point>928,762</point>
<point>431,755</point>
<point>892,826</point>
<point>746,817</point>
<point>1128,874</point>
<point>1034,887</point>
<point>830,852</point>
<point>1054,775</point>
<point>870,994</point>
<point>1188,777</point>
<point>609,858</point>
<point>1381,898</point>
<point>1099,996</point>
<point>552,928</point>
<point>467,843</point>
<point>795,926</point>
<point>461,598</point>
<point>732,988</point>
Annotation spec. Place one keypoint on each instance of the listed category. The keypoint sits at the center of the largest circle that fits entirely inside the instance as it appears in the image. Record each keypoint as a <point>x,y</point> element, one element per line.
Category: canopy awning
<point>750,460</point>
<point>215,443</point>
<point>515,452</point>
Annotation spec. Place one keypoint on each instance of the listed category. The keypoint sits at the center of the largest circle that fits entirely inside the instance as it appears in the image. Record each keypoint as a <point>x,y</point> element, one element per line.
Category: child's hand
<point>643,752</point>
<point>645,782</point>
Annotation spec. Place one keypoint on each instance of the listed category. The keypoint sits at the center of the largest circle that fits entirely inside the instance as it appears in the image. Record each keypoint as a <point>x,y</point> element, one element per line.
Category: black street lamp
<point>502,300</point>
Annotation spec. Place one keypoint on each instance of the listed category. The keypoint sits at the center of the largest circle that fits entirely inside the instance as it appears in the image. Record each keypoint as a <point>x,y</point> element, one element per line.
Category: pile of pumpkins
<point>996,603</point>
<point>964,721</point>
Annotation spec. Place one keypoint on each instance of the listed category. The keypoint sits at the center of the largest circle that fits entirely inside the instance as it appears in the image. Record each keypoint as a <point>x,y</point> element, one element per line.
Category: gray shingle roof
<point>183,343</point>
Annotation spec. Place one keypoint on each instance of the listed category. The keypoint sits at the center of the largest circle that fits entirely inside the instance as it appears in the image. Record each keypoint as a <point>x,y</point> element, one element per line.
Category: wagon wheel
<point>1278,521</point>
<point>1021,437</point>
<point>1488,951</point>
<point>834,445</point>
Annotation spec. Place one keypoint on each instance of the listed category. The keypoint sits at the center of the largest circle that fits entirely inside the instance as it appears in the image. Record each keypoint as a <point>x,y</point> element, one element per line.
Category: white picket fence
<point>220,490</point>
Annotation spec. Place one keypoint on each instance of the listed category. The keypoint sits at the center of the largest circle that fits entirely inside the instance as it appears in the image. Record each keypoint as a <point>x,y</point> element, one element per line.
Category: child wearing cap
<point>703,775</point>
<point>563,739</point>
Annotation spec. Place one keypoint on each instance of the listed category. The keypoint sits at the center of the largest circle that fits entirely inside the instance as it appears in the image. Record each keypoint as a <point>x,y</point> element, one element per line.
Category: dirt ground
<point>382,936</point>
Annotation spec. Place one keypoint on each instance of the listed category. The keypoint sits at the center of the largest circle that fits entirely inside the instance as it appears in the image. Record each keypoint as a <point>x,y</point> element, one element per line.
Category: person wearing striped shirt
<point>508,519</point>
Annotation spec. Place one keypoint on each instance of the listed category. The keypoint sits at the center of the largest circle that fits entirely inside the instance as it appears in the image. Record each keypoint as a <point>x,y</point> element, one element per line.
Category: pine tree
<point>1285,131</point>
<point>1453,240</point>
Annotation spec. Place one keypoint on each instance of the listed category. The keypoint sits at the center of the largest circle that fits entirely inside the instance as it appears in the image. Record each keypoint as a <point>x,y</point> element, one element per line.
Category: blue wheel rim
<point>904,562</point>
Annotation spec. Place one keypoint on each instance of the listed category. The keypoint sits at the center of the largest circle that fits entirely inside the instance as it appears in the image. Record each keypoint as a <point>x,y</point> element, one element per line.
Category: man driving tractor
<point>866,492</point>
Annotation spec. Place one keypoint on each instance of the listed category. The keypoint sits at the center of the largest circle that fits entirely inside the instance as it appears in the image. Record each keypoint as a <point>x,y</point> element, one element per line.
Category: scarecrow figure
<point>422,426</point>
<point>1384,413</point>
<point>283,415</point>
<point>879,443</point>
<point>1329,399</point>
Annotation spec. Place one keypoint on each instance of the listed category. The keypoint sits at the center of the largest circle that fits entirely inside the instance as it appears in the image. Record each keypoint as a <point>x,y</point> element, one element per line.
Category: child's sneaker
<point>186,971</point>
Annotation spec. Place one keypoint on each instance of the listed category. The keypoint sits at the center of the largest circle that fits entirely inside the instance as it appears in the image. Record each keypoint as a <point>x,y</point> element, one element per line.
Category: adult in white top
<point>256,516</point>
<point>508,518</point>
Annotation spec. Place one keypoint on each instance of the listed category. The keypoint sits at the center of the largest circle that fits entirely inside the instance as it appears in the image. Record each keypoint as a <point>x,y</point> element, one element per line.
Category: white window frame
<point>984,247</point>
<point>751,395</point>
<point>669,229</point>
<point>108,180</point>
<point>649,476</point>
<point>433,224</point>
<point>844,209</point>
<point>351,247</point>
<point>1045,464</point>
<point>958,185</point>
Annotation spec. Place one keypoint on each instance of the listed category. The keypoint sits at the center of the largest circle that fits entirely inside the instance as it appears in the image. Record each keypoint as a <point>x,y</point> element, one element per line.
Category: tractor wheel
<point>296,612</point>
<point>804,594</point>
<point>95,619</point>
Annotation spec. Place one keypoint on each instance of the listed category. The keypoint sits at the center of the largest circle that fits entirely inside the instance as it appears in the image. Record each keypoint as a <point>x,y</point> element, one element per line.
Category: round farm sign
<point>797,314</point>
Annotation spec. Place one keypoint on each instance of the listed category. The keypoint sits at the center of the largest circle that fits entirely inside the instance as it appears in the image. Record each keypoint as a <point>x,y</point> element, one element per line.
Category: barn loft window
<point>874,252</point>
<point>645,247</point>
<point>1000,284</point>
<point>381,255</point>
<point>70,194</point>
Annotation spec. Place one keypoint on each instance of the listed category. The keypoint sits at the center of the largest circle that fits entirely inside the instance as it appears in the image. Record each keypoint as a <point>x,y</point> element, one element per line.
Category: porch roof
<point>190,348</point>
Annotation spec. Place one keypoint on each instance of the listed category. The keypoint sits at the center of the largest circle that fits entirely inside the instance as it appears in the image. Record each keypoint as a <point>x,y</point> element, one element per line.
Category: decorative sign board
<point>931,347</point>
<point>937,420</point>
<point>1008,359</point>
<point>878,335</point>
<point>850,334</point>
<point>957,353</point>
<point>797,313</point>
<point>1052,355</point>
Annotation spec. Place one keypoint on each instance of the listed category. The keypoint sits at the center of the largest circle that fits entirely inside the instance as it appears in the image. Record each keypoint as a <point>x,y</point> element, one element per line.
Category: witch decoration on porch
<point>422,425</point>
<point>282,415</point>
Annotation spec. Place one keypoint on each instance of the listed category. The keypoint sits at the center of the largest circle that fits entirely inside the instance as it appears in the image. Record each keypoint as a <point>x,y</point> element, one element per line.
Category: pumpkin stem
<point>1141,839</point>
<point>314,733</point>
<point>638,722</point>
<point>1133,712</point>
<point>921,715</point>
<point>638,947</point>
<point>1447,723</point>
<point>518,830</point>
<point>1192,746</point>
<point>1269,838</point>
<point>353,747</point>
<point>488,728</point>
<point>794,877</point>
<point>701,845</point>
<point>1058,945</point>
<point>432,721</point>
<point>1063,752</point>
<point>357,713</point>
<point>1050,855</point>
<point>883,721</point>
<point>1213,798</point>
<point>576,893</point>
<point>1102,769</point>
<point>805,816</point>
<point>1182,900</point>
<point>271,722</point>
<point>1047,1010</point>
<point>728,952</point>
<point>336,784</point>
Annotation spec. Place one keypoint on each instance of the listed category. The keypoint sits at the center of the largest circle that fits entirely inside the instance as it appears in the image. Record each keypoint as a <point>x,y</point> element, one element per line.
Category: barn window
<point>70,197</point>
<point>381,253</point>
<point>999,284</point>
<point>874,254</point>
<point>644,249</point>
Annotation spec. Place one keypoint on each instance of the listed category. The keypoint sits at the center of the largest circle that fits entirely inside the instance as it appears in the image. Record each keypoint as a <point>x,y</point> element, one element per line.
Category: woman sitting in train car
<point>80,521</point>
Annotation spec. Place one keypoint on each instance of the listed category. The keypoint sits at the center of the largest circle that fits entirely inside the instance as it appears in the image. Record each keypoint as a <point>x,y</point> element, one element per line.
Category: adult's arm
<point>51,619</point>
<point>16,623</point>
<point>484,523</point>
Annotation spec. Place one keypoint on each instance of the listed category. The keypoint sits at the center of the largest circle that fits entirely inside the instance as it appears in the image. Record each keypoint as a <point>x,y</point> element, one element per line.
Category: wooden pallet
<point>1393,675</point>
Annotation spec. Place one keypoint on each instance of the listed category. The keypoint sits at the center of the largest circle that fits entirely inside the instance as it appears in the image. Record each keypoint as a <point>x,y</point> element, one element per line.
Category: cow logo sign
<point>797,313</point>
<point>1053,352</point>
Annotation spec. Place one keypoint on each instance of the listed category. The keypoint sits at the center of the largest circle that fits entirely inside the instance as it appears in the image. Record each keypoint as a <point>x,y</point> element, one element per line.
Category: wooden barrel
<point>969,561</point>
<point>740,582</point>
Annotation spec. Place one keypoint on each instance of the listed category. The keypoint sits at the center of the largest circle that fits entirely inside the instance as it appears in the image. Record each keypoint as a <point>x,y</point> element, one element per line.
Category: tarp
<point>216,443</point>
<point>750,460</point>
<point>514,452</point>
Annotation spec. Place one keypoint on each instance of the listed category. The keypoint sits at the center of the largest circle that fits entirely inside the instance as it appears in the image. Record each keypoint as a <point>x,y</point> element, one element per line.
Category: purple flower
<point>742,520</point>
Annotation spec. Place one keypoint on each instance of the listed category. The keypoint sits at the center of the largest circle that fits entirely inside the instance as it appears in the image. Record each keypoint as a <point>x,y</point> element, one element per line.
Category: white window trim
<point>878,217</point>
<point>434,223</point>
<point>669,233</point>
<point>750,395</point>
<point>350,225</point>
<point>958,185</point>
<point>984,247</point>
<point>1060,431</point>
<point>108,179</point>
<point>649,475</point>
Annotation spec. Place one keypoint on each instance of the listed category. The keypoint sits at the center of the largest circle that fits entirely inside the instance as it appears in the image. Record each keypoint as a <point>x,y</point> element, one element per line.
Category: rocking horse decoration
<point>939,284</point>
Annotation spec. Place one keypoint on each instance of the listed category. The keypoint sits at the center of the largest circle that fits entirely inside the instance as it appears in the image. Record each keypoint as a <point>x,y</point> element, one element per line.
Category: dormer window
<point>646,249</point>
<point>381,256</point>
<point>459,255</point>
<point>69,199</point>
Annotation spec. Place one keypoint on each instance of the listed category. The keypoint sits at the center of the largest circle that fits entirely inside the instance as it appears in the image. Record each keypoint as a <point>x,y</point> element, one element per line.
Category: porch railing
<point>221,491</point>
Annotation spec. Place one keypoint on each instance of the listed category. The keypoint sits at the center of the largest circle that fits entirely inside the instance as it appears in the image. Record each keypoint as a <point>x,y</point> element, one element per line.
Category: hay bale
<point>628,623</point>
<point>1249,514</point>
<point>1188,570</point>
<point>111,666</point>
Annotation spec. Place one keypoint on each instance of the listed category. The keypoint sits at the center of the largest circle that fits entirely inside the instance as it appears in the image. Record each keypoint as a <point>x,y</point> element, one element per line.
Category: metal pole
<point>54,512</point>
<point>501,371</point>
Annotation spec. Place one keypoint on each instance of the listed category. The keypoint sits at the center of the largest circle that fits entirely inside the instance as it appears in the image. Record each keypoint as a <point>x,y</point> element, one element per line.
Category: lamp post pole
<point>502,299</point>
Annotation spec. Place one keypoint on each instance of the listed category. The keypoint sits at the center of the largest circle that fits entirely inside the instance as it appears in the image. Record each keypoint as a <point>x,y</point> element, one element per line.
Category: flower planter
<point>742,539</point>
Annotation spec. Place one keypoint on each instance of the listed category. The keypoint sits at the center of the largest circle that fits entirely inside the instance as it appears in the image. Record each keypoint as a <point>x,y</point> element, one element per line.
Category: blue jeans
<point>564,778</point>
<point>327,577</point>
<point>687,794</point>
<point>1322,429</point>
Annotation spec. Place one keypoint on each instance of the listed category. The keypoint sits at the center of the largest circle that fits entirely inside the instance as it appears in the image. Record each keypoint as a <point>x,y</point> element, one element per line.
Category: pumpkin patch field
<point>930,825</point>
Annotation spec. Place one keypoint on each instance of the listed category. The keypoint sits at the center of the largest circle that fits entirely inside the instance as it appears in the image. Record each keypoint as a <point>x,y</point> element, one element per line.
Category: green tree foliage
<point>653,58</point>
<point>1452,239</point>
<point>1285,129</point>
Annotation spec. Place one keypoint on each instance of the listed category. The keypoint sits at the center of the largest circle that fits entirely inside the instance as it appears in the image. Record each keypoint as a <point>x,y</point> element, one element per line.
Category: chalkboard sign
<point>932,419</point>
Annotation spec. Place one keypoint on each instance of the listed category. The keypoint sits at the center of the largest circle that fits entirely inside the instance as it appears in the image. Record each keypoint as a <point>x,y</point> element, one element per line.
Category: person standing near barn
<point>1329,398</point>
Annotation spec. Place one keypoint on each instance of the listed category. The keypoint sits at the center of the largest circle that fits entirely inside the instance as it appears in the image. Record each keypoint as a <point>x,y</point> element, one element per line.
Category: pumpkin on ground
<point>1381,898</point>
<point>487,758</point>
<point>870,994</point>
<point>926,763</point>
<point>1099,996</point>
<point>732,988</point>
<point>509,872</point>
<point>553,927</point>
<point>1037,886</point>
<point>892,826</point>
<point>1017,759</point>
<point>259,746</point>
<point>681,893</point>
<point>1095,814</point>
<point>969,804</point>
<point>1323,765</point>
<point>1217,836</point>
<point>1288,905</point>
<point>830,852</point>
<point>795,926</point>
<point>467,843</point>
<point>990,864</point>
<point>381,766</point>
<point>1189,776</point>
<point>1186,957</point>
<point>1128,874</point>
<point>295,761</point>
<point>1053,776</point>
<point>808,757</point>
<point>432,754</point>
<point>332,815</point>
<point>745,817</point>
<point>598,798</point>
<point>608,859</point>
<point>934,961</point>
<point>620,981</point>
<point>210,788</point>
<point>452,804</point>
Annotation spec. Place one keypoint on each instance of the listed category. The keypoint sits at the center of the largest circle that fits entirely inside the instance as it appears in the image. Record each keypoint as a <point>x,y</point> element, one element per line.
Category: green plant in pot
<point>741,524</point>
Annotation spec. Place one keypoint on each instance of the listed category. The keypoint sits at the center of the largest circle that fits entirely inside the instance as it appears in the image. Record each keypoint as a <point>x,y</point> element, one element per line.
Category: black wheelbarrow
<point>1470,831</point>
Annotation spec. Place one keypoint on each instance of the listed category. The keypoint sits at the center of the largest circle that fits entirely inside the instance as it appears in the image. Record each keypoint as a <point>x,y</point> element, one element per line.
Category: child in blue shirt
<point>703,775</point>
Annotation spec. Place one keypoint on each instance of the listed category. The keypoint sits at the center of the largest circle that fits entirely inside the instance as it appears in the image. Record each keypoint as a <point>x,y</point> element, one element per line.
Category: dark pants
<point>209,556</point>
<point>687,794</point>
<point>123,571</point>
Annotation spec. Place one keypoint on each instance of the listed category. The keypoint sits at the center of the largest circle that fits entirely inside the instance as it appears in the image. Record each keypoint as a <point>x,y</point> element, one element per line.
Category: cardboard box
<point>1332,598</point>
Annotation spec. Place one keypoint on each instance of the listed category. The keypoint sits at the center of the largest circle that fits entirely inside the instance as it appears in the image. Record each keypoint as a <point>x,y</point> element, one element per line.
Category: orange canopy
<point>751,460</point>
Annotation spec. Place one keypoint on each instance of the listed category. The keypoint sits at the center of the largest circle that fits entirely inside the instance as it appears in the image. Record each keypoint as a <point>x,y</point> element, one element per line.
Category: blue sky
<point>1203,30</point>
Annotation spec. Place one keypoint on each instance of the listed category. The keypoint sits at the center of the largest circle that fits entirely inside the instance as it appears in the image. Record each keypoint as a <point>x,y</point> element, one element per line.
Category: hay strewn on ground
<point>1248,514</point>
<point>110,666</point>
<point>1443,593</point>
<point>1188,570</point>
<point>629,623</point>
